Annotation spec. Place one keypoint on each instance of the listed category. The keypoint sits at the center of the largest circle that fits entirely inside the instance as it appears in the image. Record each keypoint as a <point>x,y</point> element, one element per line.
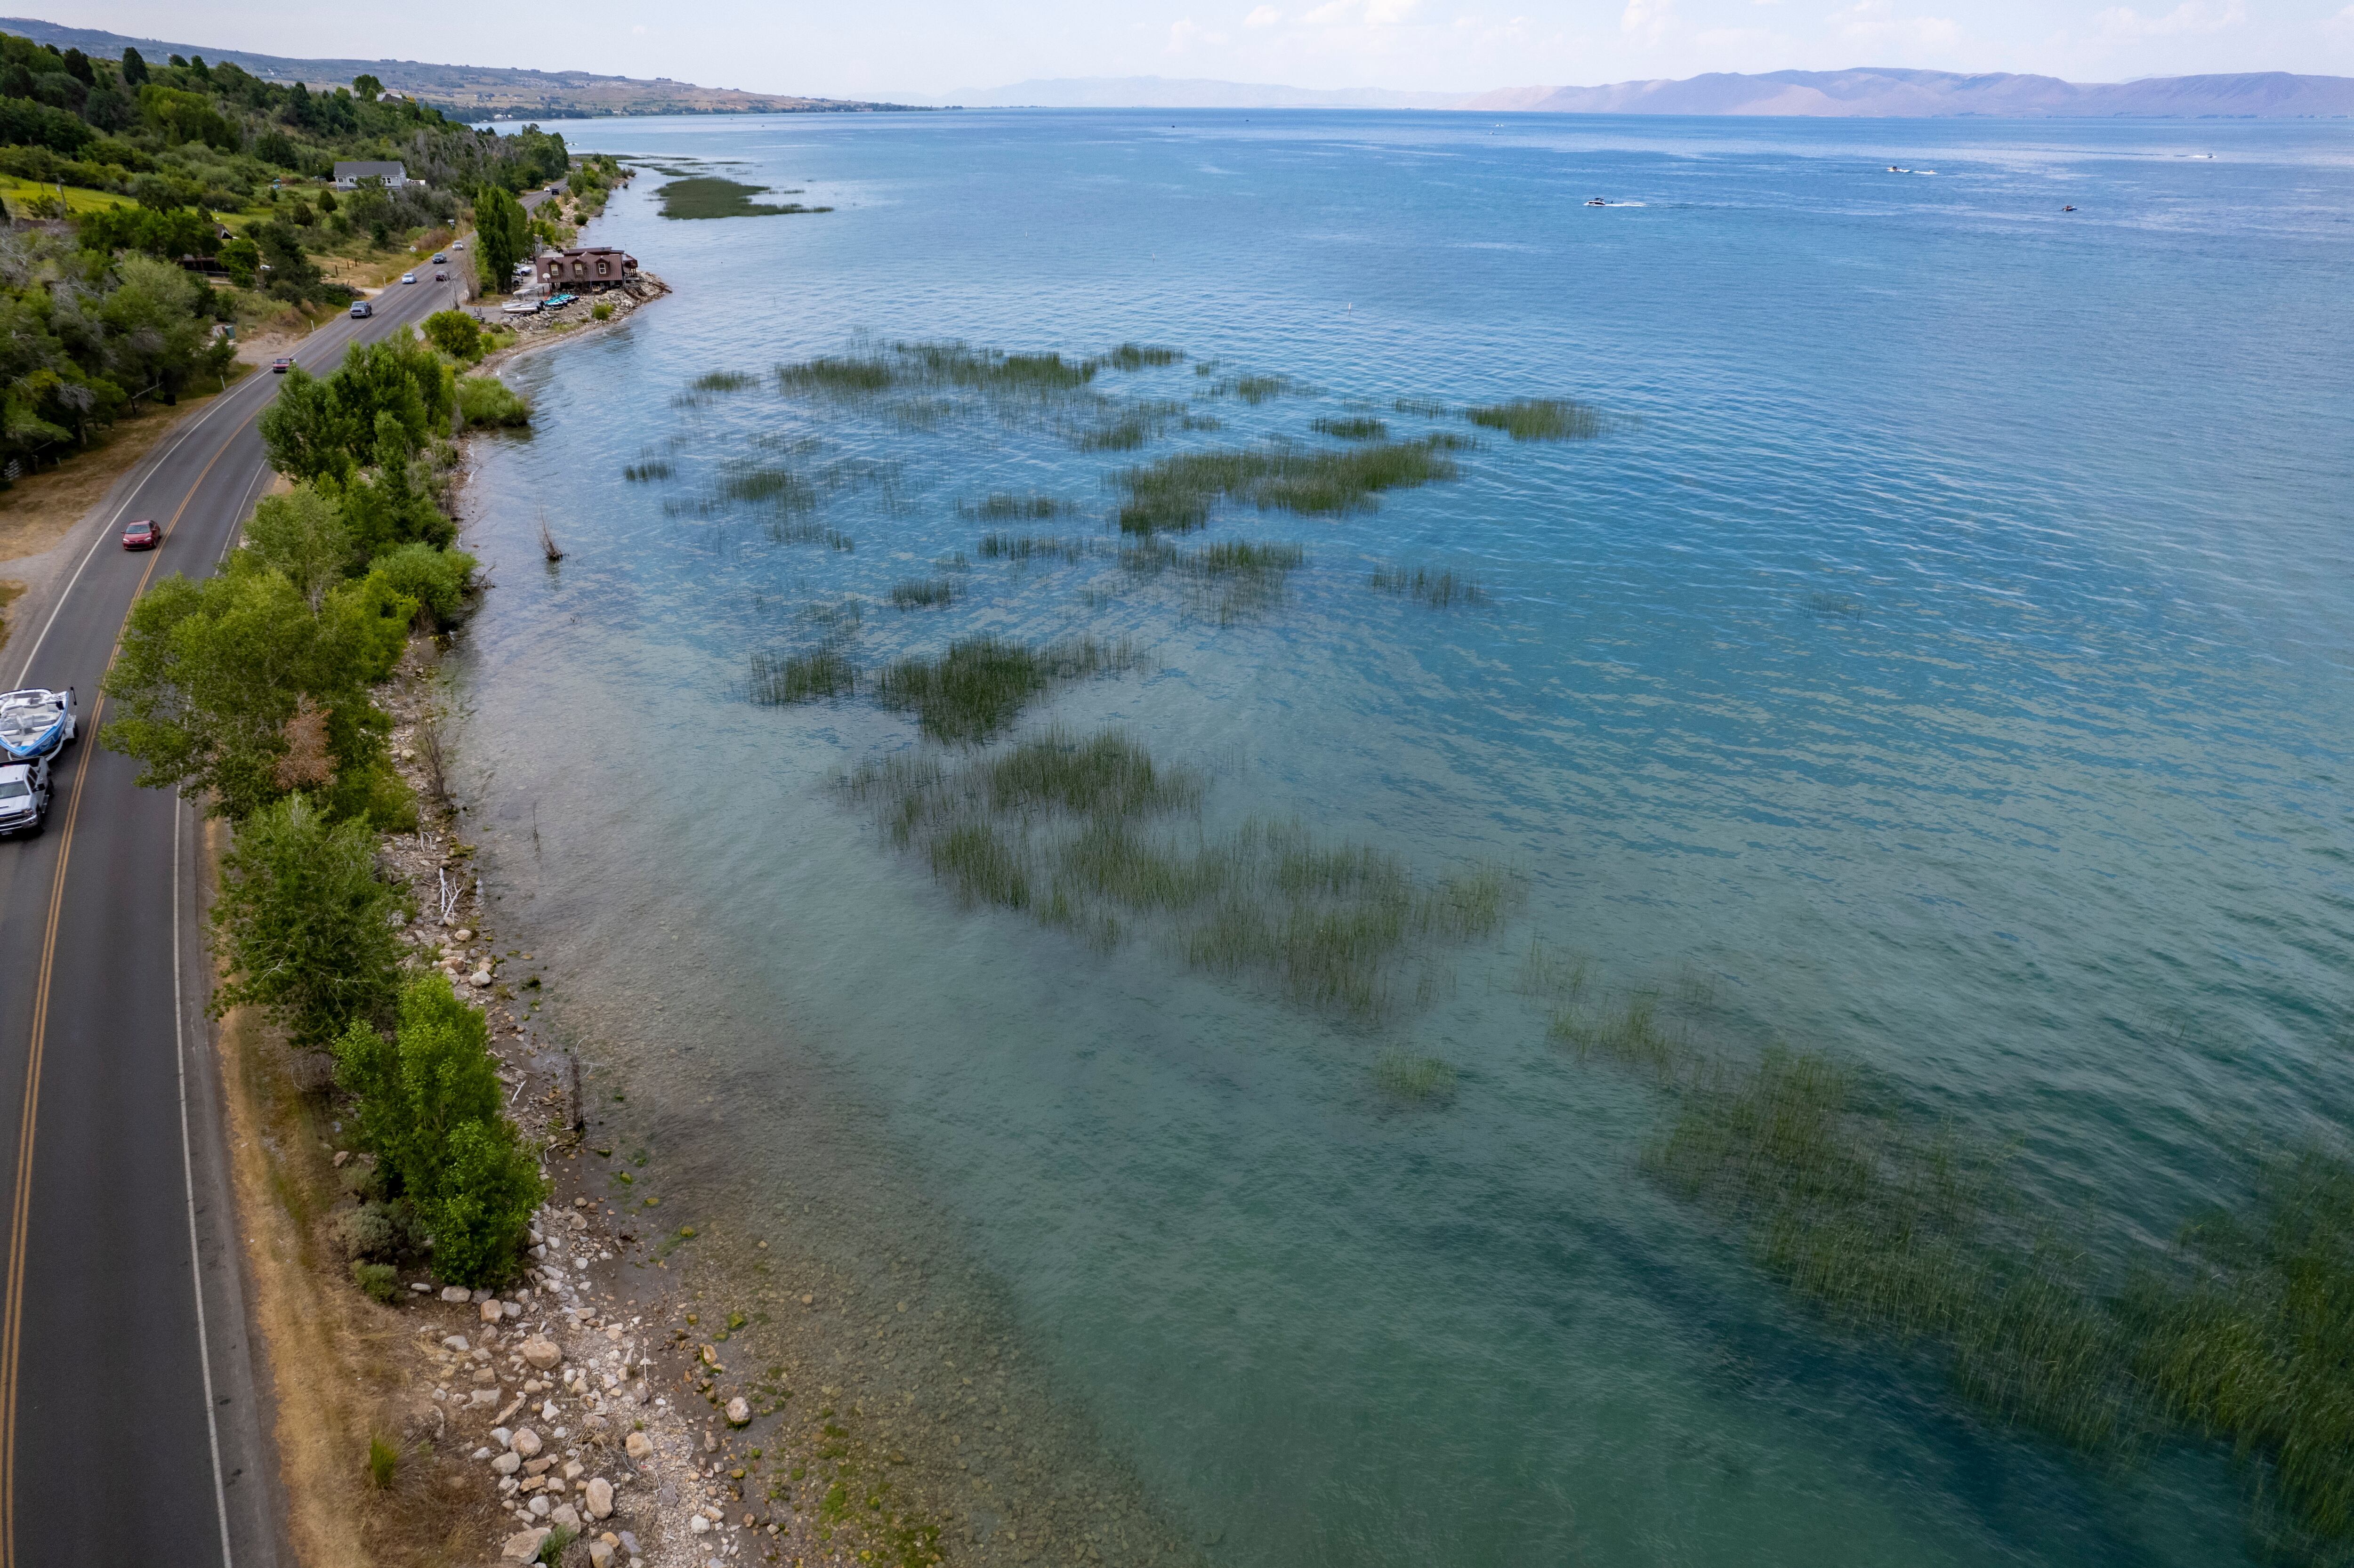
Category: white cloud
<point>2191,17</point>
<point>1265,16</point>
<point>1648,21</point>
<point>1870,21</point>
<point>1185,32</point>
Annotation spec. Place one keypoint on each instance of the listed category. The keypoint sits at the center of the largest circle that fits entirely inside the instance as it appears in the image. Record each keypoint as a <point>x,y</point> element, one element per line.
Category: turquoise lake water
<point>1941,661</point>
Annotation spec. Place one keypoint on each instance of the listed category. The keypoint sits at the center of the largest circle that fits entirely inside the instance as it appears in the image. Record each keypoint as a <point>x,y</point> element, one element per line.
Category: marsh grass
<point>1175,495</point>
<point>1231,578</point>
<point>1005,506</point>
<point>1095,836</point>
<point>723,381</point>
<point>1033,546</point>
<point>1257,390</point>
<point>801,677</point>
<point>1124,426</point>
<point>1417,1080</point>
<point>707,196</point>
<point>981,684</point>
<point>766,486</point>
<point>647,470</point>
<point>1634,1037</point>
<point>1352,427</point>
<point>923,593</point>
<point>1140,356</point>
<point>1540,418</point>
<point>1550,973</point>
<point>1422,408</point>
<point>1439,589</point>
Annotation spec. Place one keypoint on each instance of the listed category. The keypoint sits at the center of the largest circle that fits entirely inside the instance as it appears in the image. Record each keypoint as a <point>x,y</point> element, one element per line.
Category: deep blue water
<point>1941,662</point>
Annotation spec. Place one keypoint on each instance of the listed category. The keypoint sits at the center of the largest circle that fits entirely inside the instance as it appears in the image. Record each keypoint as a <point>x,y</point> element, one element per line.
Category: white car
<point>24,797</point>
<point>409,276</point>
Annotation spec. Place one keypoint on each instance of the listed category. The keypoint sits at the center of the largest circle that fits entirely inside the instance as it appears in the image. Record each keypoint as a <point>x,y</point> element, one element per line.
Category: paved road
<point>130,1427</point>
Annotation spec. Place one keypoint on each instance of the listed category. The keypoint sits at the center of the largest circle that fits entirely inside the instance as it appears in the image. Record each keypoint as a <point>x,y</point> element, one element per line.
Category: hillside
<point>1891,93</point>
<point>468,92</point>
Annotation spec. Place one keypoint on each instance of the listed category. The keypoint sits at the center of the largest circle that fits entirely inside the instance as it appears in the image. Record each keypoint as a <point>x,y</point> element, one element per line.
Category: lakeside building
<point>581,267</point>
<point>394,175</point>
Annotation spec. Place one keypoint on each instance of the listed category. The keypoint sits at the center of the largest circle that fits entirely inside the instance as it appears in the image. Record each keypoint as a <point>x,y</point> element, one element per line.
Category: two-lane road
<point>131,1429</point>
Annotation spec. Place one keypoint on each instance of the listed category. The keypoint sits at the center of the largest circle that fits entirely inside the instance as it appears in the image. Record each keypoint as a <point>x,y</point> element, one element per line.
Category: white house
<point>394,175</point>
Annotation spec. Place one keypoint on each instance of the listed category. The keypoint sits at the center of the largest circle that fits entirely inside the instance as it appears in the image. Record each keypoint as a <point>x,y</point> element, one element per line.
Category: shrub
<point>304,922</point>
<point>380,1280</point>
<point>382,1461</point>
<point>438,580</point>
<point>455,333</point>
<point>487,400</point>
<point>371,1232</point>
<point>601,311</point>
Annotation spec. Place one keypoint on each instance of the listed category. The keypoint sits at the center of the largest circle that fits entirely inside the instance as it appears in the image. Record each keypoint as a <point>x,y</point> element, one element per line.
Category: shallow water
<point>1941,662</point>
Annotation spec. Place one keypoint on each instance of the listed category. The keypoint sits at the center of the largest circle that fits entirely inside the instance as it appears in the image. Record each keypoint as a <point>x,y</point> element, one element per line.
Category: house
<point>583,267</point>
<point>394,175</point>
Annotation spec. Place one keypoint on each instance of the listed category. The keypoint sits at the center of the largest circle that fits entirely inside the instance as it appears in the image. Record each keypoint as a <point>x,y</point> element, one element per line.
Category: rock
<point>526,1442</point>
<point>481,1297</point>
<point>599,1555</point>
<point>421,1287</point>
<point>500,1435</point>
<point>566,1515</point>
<point>539,1507</point>
<point>640,1446</point>
<point>492,1311</point>
<point>600,1497</point>
<point>511,1308</point>
<point>699,1525</point>
<point>479,978</point>
<point>523,1546</point>
<point>342,1158</point>
<point>711,1358</point>
<point>463,934</point>
<point>484,1396</point>
<point>739,1414</point>
<point>630,1544</point>
<point>541,1352</point>
<point>456,1342</point>
<point>456,1293</point>
<point>507,1463</point>
<point>571,1469</point>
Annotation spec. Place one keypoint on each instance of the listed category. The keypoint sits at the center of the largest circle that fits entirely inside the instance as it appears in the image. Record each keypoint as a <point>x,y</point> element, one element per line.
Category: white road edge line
<point>188,1173</point>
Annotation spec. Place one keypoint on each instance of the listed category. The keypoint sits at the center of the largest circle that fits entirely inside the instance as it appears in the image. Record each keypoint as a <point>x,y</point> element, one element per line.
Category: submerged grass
<point>923,593</point>
<point>1439,589</point>
<point>1540,418</point>
<point>708,196</point>
<point>1033,546</point>
<point>1175,495</point>
<point>801,677</point>
<point>649,470</point>
<point>1006,506</point>
<point>981,684</point>
<point>1236,577</point>
<point>1416,1080</point>
<point>1352,427</point>
<point>1141,357</point>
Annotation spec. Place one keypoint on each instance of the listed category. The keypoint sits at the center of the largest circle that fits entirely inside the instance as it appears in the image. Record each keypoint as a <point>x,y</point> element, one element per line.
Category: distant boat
<point>1597,201</point>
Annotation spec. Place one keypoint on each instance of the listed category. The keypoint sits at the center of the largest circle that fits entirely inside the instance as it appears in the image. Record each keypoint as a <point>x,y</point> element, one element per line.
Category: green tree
<point>455,333</point>
<point>241,259</point>
<point>367,88</point>
<point>303,922</point>
<point>135,67</point>
<point>502,238</point>
<point>430,1106</point>
<point>301,535</point>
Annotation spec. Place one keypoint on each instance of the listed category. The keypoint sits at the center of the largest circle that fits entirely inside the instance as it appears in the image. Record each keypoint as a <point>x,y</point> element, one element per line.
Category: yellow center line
<point>20,1216</point>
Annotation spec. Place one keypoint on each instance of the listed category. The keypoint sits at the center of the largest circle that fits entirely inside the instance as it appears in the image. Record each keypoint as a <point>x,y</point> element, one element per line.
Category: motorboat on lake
<point>35,722</point>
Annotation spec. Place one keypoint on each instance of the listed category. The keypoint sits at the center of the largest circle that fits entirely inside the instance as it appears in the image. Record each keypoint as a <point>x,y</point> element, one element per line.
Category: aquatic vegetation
<point>709,195</point>
<point>1549,973</point>
<point>1137,357</point>
<point>1839,605</point>
<point>981,684</point>
<point>801,677</point>
<point>1540,418</point>
<point>1415,1079</point>
<point>1635,1038</point>
<point>837,377</point>
<point>1033,546</point>
<point>1439,589</point>
<point>984,870</point>
<point>760,484</point>
<point>923,593</point>
<point>1425,408</point>
<point>1256,389</point>
<point>648,469</point>
<point>723,381</point>
<point>1352,427</point>
<point>1238,577</point>
<point>1124,426</point>
<point>487,400</point>
<point>1004,507</point>
<point>1175,493</point>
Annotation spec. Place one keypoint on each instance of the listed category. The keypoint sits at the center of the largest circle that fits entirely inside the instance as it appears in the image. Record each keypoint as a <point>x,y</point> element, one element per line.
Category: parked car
<point>282,365</point>
<point>24,797</point>
<point>409,276</point>
<point>142,535</point>
<point>362,310</point>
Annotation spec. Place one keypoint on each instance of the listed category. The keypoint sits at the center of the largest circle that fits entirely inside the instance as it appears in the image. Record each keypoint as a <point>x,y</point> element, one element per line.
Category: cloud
<point>1185,32</point>
<point>1265,16</point>
<point>1869,21</point>
<point>1648,21</point>
<point>2191,17</point>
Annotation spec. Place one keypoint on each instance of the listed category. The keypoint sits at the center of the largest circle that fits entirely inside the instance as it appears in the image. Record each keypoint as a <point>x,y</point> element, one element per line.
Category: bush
<point>380,1280</point>
<point>382,1461</point>
<point>304,923</point>
<point>455,333</point>
<point>438,580</point>
<point>601,311</point>
<point>487,400</point>
<point>375,1232</point>
<point>430,1106</point>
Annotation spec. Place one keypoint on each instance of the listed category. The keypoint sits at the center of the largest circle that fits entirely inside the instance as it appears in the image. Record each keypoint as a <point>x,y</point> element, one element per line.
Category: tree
<point>367,88</point>
<point>430,1106</point>
<point>241,259</point>
<point>301,535</point>
<point>305,432</point>
<point>304,923</point>
<point>135,67</point>
<point>455,333</point>
<point>502,238</point>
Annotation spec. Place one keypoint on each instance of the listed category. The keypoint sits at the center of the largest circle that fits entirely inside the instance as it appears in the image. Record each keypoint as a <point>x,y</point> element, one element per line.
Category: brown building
<point>581,268</point>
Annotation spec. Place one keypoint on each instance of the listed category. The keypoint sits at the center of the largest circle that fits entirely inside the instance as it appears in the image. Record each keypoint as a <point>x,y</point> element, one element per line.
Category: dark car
<point>282,365</point>
<point>441,277</point>
<point>439,257</point>
<point>142,535</point>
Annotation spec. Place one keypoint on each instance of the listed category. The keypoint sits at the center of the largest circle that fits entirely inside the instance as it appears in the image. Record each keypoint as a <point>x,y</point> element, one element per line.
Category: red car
<point>142,535</point>
<point>282,365</point>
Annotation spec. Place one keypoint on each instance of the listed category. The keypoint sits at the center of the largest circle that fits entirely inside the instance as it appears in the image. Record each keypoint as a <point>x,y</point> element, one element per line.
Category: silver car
<point>24,797</point>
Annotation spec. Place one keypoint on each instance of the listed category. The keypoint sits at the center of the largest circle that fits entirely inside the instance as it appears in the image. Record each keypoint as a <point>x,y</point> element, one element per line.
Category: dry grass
<point>41,508</point>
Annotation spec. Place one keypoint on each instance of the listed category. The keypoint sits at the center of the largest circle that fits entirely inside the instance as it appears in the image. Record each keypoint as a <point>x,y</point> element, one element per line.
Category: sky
<point>927,49</point>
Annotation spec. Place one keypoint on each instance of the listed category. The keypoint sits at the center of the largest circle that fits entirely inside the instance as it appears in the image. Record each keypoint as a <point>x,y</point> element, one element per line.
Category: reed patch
<point>1175,495</point>
<point>1437,587</point>
<point>1540,418</point>
<point>981,684</point>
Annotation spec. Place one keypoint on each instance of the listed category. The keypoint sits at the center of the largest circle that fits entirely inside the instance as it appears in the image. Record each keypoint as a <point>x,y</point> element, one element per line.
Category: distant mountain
<point>467,92</point>
<point>1165,92</point>
<point>1894,94</point>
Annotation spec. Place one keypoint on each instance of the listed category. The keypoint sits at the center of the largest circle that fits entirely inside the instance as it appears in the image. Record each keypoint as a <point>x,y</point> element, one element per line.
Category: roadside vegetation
<point>252,691</point>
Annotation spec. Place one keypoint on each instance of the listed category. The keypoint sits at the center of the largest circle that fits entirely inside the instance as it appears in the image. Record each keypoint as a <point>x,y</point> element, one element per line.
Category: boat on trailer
<point>35,722</point>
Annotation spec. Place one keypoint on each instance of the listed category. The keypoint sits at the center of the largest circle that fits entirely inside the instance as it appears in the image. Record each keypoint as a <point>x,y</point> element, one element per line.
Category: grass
<point>1005,506</point>
<point>1120,427</point>
<point>708,196</point>
<point>1138,357</point>
<point>1540,418</point>
<point>1241,576</point>
<point>723,381</point>
<point>383,1463</point>
<point>487,400</point>
<point>1422,408</point>
<point>1417,1080</point>
<point>1352,427</point>
<point>923,593</point>
<point>649,470</point>
<point>981,684</point>
<point>1634,1038</point>
<point>1257,389</point>
<point>1439,589</point>
<point>1175,495</point>
<point>801,677</point>
<point>1033,546</point>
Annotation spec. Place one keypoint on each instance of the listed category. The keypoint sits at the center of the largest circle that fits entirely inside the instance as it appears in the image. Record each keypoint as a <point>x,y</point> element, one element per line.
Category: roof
<point>371,171</point>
